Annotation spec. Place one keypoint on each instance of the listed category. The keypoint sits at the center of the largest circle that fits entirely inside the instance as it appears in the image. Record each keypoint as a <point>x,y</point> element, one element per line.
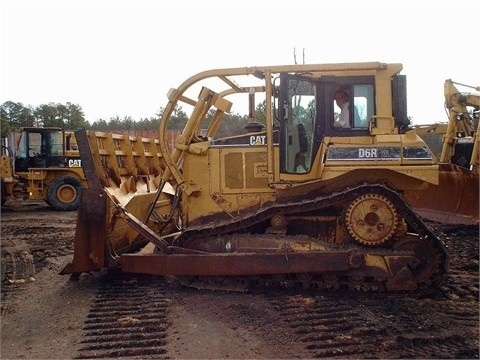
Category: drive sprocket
<point>371,219</point>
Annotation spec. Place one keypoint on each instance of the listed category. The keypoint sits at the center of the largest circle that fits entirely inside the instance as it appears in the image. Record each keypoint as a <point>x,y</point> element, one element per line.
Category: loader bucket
<point>453,201</point>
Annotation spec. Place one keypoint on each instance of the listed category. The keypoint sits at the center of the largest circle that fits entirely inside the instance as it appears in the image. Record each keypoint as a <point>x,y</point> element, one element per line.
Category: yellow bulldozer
<point>296,200</point>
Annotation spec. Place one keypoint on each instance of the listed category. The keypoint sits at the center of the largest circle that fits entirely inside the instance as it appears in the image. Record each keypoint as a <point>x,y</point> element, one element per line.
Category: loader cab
<point>40,148</point>
<point>308,112</point>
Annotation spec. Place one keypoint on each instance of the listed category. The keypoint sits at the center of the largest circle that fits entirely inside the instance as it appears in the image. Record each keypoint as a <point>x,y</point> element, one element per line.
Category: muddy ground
<point>108,315</point>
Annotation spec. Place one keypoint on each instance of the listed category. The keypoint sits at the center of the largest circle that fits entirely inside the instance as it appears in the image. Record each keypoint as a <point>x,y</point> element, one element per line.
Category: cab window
<point>363,102</point>
<point>56,143</point>
<point>353,106</point>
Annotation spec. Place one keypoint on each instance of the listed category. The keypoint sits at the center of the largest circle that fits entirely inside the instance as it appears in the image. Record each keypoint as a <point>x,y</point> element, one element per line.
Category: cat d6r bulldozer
<point>295,200</point>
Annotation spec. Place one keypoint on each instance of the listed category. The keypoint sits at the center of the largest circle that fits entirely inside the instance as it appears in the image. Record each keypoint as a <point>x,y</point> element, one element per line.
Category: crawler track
<point>437,259</point>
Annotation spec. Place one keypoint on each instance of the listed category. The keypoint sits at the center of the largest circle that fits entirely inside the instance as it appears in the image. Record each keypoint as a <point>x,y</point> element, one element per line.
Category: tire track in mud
<point>127,319</point>
<point>328,325</point>
<point>7,295</point>
<point>390,326</point>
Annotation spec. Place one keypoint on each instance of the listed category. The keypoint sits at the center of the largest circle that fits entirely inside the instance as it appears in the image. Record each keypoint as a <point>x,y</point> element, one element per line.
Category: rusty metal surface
<point>453,201</point>
<point>216,271</point>
<point>90,234</point>
<point>145,231</point>
<point>88,163</point>
<point>236,264</point>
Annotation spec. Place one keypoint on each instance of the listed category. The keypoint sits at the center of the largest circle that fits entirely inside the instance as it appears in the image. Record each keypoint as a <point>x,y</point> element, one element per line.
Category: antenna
<point>295,56</point>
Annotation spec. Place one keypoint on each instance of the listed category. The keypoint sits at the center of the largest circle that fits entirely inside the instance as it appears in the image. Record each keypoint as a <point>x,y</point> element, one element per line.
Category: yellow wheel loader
<point>293,201</point>
<point>45,166</point>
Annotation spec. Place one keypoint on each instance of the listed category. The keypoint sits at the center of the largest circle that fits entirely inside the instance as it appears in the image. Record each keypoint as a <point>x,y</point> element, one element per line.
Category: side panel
<point>229,180</point>
<point>243,170</point>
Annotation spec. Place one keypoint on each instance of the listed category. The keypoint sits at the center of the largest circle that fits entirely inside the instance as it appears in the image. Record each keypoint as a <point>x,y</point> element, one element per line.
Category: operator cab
<point>309,109</point>
<point>40,148</point>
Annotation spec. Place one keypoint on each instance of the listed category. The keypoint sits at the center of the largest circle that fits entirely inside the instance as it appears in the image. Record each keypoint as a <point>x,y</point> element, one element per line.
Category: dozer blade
<point>123,176</point>
<point>453,201</point>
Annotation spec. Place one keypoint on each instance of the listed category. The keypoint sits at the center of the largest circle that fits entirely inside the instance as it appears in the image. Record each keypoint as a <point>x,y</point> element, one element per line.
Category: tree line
<point>69,116</point>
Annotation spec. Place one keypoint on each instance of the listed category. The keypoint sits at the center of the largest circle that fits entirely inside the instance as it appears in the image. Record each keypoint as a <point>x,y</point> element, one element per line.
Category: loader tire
<point>64,193</point>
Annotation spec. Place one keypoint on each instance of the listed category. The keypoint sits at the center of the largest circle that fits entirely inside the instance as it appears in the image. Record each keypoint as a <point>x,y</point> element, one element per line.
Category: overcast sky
<point>120,58</point>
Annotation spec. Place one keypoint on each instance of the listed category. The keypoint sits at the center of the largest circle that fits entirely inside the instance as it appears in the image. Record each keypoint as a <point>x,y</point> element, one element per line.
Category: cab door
<point>297,114</point>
